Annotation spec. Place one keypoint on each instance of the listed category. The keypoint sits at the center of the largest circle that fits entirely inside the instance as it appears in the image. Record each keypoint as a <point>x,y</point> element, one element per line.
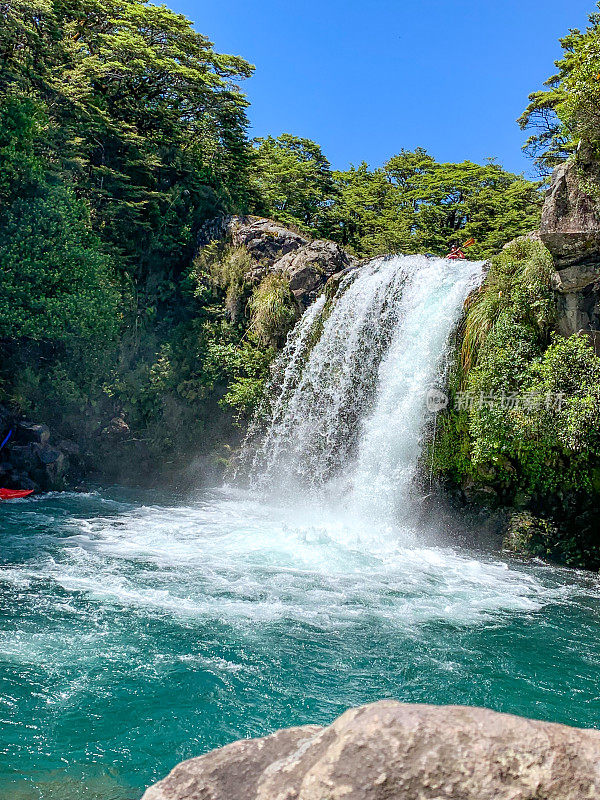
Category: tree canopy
<point>143,117</point>
<point>56,284</point>
<point>411,204</point>
<point>294,180</point>
<point>567,112</point>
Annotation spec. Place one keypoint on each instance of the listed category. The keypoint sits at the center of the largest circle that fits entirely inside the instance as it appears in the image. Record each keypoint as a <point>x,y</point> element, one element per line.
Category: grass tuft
<point>273,309</point>
<point>521,273</point>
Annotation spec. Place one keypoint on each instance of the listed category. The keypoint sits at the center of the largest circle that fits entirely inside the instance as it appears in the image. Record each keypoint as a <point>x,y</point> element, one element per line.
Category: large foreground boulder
<point>392,751</point>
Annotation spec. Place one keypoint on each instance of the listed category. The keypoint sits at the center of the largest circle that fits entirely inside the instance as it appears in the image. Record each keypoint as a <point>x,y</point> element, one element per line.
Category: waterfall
<point>345,409</point>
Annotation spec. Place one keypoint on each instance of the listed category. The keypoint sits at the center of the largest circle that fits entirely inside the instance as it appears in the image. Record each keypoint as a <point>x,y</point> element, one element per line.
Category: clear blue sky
<point>365,79</point>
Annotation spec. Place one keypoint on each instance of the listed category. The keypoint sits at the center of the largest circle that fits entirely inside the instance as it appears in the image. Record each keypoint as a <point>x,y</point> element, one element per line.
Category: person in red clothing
<point>456,252</point>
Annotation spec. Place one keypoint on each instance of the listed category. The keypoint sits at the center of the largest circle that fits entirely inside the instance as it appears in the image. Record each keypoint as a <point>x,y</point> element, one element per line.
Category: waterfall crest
<point>345,408</point>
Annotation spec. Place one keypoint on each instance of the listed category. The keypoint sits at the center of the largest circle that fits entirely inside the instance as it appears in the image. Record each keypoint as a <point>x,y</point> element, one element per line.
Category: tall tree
<point>121,132</point>
<point>454,202</point>
<point>367,215</point>
<point>415,204</point>
<point>294,180</point>
<point>567,112</point>
<point>145,118</point>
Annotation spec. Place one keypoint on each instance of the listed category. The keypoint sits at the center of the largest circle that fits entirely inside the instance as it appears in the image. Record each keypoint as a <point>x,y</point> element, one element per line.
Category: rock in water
<point>394,751</point>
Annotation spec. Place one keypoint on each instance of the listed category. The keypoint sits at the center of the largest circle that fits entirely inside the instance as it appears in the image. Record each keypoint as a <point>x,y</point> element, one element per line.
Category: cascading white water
<point>324,379</point>
<point>391,434</point>
<point>346,412</point>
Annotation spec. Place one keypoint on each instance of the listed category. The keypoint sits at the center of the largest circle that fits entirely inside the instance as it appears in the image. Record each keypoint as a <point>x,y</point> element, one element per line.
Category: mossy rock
<point>528,535</point>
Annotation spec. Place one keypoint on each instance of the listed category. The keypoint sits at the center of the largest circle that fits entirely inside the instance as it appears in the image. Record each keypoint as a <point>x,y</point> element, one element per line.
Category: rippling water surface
<point>138,632</point>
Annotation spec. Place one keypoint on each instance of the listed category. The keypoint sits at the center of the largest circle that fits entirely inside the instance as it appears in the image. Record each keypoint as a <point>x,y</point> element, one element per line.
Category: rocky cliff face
<point>570,229</point>
<point>570,225</point>
<point>392,751</point>
<point>273,247</point>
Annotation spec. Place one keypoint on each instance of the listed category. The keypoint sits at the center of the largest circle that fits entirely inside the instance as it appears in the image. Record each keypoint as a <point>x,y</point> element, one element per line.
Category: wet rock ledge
<point>393,751</point>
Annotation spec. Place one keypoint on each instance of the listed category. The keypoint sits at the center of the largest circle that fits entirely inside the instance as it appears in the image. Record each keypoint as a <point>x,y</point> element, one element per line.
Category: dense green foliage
<point>412,204</point>
<point>141,117</point>
<point>122,132</point>
<point>294,180</point>
<point>524,422</point>
<point>56,283</point>
<point>428,206</point>
<point>566,113</point>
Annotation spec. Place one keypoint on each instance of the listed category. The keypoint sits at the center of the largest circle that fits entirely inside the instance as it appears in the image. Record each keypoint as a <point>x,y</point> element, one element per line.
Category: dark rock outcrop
<point>570,229</point>
<point>32,460</point>
<point>570,226</point>
<point>392,751</point>
<point>264,239</point>
<point>578,301</point>
<point>33,432</point>
<point>273,247</point>
<point>310,267</point>
<point>527,535</point>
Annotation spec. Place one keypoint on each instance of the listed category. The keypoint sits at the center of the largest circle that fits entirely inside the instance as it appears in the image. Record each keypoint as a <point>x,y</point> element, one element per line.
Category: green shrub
<point>519,283</point>
<point>273,309</point>
<point>548,440</point>
<point>56,284</point>
<point>226,269</point>
<point>525,416</point>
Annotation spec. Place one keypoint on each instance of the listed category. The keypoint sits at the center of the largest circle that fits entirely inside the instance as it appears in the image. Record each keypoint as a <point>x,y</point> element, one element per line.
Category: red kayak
<point>13,494</point>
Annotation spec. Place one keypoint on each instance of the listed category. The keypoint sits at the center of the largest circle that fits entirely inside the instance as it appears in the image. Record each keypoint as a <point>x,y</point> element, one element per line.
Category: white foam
<point>241,562</point>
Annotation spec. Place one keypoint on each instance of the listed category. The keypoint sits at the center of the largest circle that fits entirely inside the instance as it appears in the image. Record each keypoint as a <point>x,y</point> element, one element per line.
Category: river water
<point>139,629</point>
<point>137,632</point>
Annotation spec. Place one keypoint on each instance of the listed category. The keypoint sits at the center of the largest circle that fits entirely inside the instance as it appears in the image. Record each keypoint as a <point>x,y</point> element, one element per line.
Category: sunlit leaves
<point>566,114</point>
